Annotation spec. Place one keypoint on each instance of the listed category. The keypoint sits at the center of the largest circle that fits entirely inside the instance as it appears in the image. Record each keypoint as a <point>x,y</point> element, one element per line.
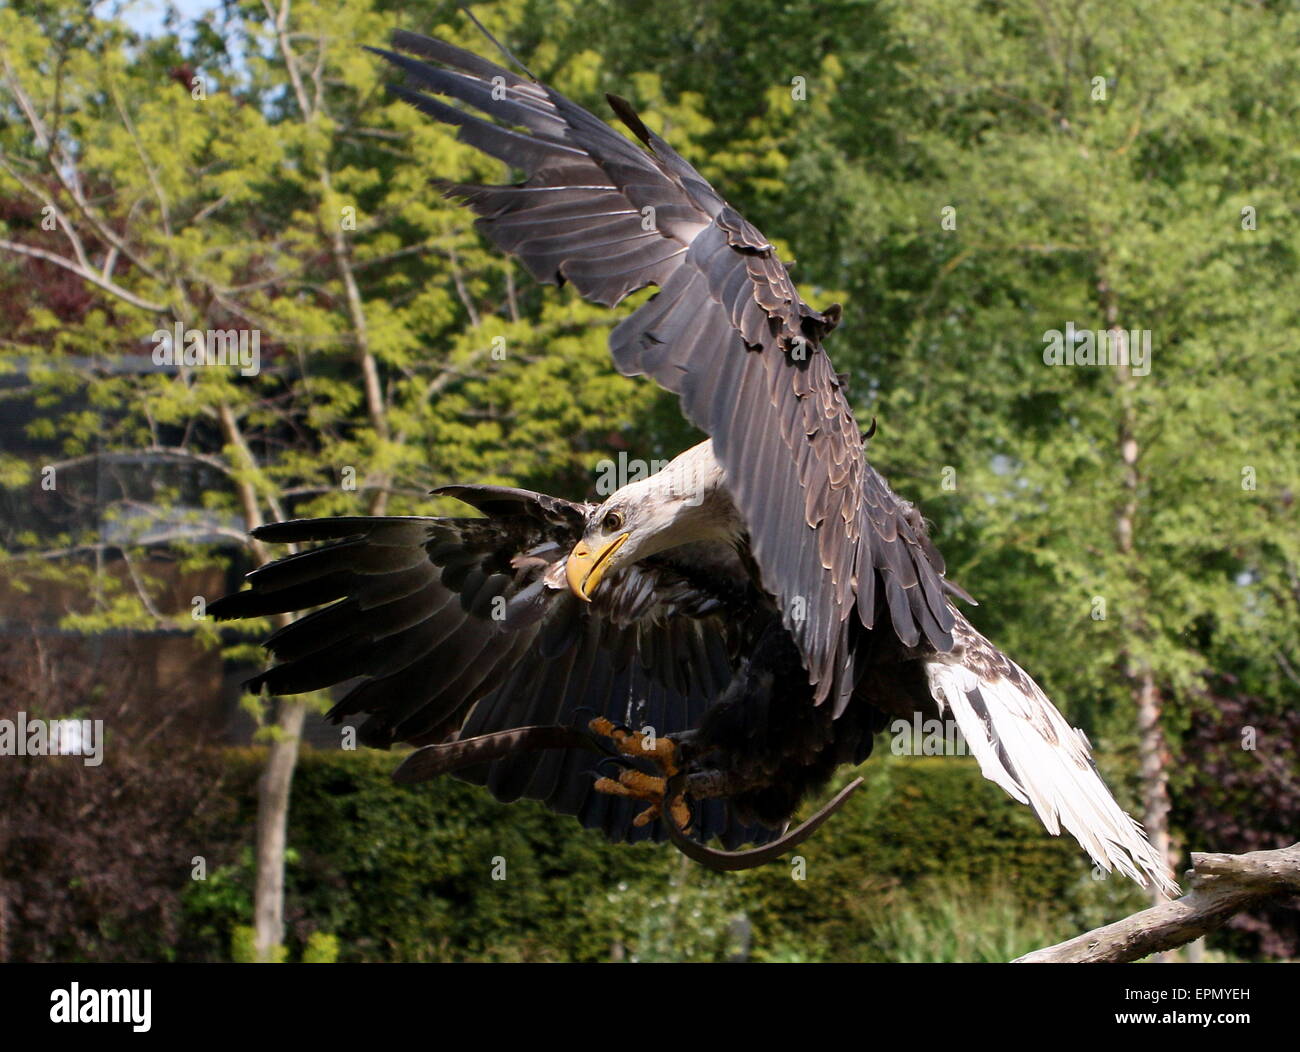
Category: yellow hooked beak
<point>585,567</point>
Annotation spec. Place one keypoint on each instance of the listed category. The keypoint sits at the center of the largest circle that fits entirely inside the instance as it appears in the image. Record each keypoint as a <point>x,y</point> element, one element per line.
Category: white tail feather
<point>1024,745</point>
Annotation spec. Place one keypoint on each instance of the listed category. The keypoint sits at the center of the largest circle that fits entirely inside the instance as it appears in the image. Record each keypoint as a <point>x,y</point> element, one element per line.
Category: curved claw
<point>623,763</point>
<point>691,816</point>
<point>582,728</point>
<point>576,719</point>
<point>730,861</point>
<point>619,725</point>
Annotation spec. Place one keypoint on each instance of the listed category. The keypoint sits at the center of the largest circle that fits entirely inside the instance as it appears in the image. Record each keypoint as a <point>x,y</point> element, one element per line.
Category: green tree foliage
<point>965,178</point>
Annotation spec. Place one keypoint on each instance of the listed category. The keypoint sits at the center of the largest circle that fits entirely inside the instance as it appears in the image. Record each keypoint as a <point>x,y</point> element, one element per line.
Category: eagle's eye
<point>613,521</point>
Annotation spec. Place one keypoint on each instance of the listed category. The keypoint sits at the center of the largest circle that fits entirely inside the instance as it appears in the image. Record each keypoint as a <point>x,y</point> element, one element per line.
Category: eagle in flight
<point>697,654</point>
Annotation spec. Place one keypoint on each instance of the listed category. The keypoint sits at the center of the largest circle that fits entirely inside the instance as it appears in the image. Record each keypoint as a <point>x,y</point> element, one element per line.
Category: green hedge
<point>407,874</point>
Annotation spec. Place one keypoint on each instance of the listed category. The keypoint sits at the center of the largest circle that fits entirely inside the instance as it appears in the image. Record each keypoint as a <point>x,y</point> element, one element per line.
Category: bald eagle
<point>694,656</point>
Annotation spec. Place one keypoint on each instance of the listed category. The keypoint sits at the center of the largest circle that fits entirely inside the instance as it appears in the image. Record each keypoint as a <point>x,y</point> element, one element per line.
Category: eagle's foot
<point>638,785</point>
<point>661,749</point>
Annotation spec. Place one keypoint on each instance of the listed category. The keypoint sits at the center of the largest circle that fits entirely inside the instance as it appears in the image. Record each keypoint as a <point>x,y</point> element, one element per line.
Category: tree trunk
<point>272,831</point>
<point>1154,756</point>
<point>1153,753</point>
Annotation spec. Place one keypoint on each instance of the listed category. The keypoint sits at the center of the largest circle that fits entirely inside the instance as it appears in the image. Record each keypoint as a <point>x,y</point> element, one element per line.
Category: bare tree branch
<point>159,452</point>
<point>461,290</point>
<point>340,250</point>
<point>94,277</point>
<point>66,172</point>
<point>1221,886</point>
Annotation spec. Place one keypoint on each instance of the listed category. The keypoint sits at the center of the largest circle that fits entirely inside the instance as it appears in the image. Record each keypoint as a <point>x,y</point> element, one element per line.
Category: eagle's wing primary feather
<point>456,627</point>
<point>1025,745</point>
<point>727,332</point>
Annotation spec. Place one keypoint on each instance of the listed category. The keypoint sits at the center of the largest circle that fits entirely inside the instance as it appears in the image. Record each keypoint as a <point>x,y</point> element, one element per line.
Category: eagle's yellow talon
<point>603,727</point>
<point>608,785</point>
<point>635,784</point>
<point>633,743</point>
<point>638,785</point>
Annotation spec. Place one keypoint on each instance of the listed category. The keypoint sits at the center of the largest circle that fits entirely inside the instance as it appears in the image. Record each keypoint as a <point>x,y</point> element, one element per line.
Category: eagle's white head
<point>684,503</point>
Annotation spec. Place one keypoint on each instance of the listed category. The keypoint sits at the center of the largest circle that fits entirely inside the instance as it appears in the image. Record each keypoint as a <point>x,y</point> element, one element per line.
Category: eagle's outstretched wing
<point>727,332</point>
<point>454,628</point>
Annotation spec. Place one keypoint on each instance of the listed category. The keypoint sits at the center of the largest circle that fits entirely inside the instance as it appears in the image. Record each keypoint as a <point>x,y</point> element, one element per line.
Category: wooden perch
<point>1221,886</point>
